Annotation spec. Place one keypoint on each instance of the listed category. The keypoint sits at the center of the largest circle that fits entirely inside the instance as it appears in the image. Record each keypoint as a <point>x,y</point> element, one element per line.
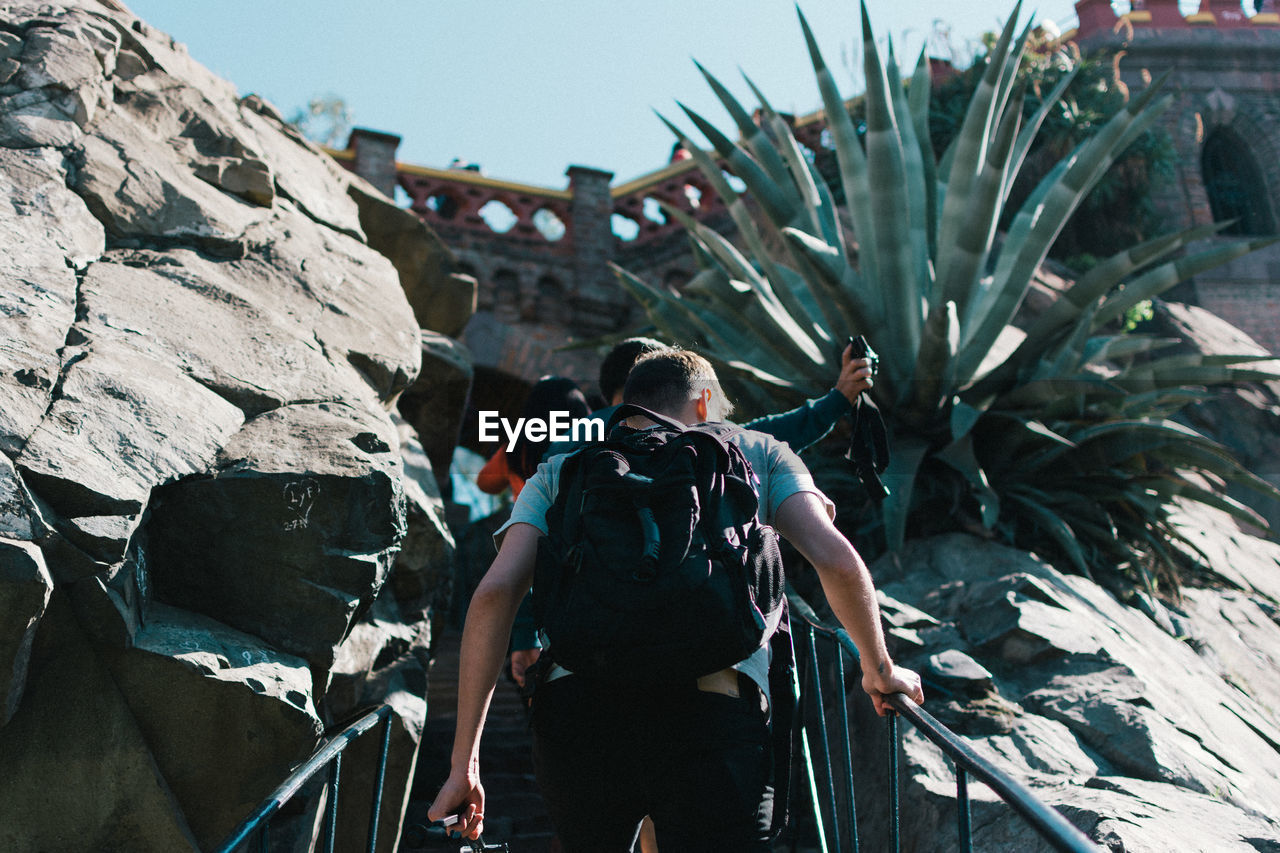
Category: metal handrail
<point>329,754</point>
<point>1047,822</point>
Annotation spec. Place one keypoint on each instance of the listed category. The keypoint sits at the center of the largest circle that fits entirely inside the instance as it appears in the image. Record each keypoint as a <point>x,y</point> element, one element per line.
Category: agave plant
<point>1060,433</point>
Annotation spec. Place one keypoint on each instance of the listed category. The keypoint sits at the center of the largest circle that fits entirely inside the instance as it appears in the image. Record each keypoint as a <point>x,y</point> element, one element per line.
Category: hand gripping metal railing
<point>837,830</point>
<point>328,755</point>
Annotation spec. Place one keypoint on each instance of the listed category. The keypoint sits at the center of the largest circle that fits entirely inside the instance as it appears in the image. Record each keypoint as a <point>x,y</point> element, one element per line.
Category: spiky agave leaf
<point>1068,433</point>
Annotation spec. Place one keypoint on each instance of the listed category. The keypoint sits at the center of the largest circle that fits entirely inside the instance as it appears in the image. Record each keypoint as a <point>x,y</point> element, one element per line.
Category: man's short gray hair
<point>667,380</point>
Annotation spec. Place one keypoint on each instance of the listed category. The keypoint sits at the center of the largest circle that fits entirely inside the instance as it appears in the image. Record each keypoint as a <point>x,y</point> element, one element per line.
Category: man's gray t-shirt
<point>779,474</point>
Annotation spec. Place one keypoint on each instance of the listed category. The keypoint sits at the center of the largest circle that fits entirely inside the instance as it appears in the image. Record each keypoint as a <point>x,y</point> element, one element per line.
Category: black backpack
<point>657,567</point>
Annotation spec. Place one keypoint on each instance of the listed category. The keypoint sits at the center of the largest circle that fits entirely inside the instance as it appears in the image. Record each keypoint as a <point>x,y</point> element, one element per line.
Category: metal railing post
<point>895,836</point>
<point>331,808</point>
<point>813,788</point>
<point>826,745</point>
<point>375,810</point>
<point>848,749</point>
<point>1048,823</point>
<point>328,755</point>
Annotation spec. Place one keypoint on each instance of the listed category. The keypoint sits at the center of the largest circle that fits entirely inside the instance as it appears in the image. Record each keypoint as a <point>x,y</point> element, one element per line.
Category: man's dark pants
<point>697,762</point>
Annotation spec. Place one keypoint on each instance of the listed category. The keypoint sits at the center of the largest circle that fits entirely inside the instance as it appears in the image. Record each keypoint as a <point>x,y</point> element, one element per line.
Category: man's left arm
<point>484,647</point>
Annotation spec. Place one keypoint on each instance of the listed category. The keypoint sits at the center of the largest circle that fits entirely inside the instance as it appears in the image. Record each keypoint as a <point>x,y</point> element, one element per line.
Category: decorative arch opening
<point>694,196</point>
<point>498,216</point>
<point>653,211</point>
<point>624,228</point>
<point>550,226</point>
<point>443,204</point>
<point>1235,185</point>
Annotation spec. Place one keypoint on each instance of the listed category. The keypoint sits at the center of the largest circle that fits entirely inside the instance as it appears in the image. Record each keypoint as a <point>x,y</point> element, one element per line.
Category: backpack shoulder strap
<point>569,494</point>
<point>722,430</point>
<point>626,410</point>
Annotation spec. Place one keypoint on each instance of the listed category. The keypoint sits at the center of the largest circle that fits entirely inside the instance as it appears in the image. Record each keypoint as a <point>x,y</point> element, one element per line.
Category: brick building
<point>541,256</point>
<point>1225,127</point>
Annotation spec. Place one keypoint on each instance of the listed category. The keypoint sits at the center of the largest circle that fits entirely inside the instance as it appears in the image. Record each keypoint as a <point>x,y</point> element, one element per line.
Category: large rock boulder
<point>1151,725</point>
<point>204,492</point>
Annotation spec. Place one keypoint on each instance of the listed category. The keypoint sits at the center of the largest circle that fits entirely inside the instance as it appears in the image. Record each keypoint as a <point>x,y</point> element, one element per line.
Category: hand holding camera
<point>856,377</point>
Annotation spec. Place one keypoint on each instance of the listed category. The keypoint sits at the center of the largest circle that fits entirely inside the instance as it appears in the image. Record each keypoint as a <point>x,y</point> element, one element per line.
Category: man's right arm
<point>802,519</point>
<point>484,647</point>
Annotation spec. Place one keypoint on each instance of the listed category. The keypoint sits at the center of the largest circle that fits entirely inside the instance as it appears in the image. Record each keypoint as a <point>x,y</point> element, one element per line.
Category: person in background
<point>800,427</point>
<point>511,466</point>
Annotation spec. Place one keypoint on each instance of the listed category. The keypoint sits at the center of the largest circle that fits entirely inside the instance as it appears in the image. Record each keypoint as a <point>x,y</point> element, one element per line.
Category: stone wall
<point>217,540</point>
<point>1224,74</point>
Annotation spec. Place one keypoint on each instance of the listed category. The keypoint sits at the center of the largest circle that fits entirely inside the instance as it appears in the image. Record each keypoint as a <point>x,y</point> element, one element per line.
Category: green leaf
<point>1162,278</point>
<point>960,262</point>
<point>887,180</point>
<point>849,156</point>
<point>856,311</point>
<point>1032,127</point>
<point>1055,527</point>
<point>908,452</point>
<point>1035,229</point>
<point>753,136</point>
<point>776,205</point>
<point>960,456</point>
<point>939,341</point>
<point>971,143</point>
<point>918,104</point>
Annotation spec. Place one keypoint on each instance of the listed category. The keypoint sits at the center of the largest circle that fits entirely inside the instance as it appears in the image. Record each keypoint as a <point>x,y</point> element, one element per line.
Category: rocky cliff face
<point>203,488</point>
<point>1153,726</point>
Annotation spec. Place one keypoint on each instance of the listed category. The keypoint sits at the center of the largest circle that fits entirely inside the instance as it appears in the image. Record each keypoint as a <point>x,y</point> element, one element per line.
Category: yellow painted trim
<point>339,153</point>
<point>666,173</point>
<point>475,179</point>
<point>1141,16</point>
<point>1202,18</point>
<point>1266,18</point>
<point>816,115</point>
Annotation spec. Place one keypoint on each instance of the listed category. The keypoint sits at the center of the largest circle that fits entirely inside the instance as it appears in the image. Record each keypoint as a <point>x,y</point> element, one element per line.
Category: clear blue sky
<point>527,87</point>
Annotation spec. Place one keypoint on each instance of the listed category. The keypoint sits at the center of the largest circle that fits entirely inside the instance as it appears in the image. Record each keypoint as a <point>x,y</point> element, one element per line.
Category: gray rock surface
<point>76,770</point>
<point>1154,726</point>
<point>25,588</point>
<point>203,492</point>
<point>47,233</point>
<point>422,573</point>
<point>443,300</point>
<point>435,403</point>
<point>199,688</point>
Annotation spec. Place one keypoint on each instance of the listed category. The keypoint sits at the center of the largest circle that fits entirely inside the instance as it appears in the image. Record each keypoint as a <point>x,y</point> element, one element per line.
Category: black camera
<point>861,349</point>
